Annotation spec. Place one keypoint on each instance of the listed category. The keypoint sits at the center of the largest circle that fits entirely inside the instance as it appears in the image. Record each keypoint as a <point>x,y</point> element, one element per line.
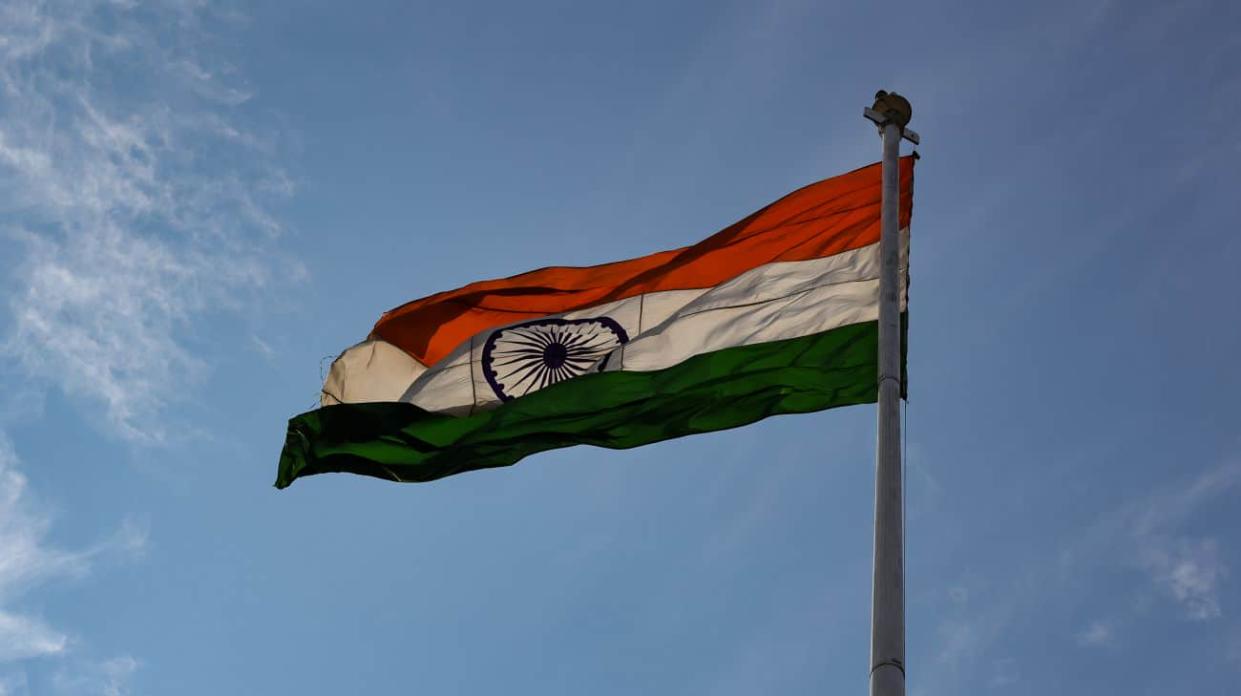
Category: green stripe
<point>712,391</point>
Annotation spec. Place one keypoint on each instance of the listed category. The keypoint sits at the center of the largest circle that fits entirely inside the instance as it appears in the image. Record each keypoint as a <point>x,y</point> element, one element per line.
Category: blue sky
<point>199,203</point>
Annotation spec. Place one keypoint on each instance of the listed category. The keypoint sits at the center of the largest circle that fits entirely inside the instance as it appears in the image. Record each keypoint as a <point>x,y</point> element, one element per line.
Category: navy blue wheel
<point>525,358</point>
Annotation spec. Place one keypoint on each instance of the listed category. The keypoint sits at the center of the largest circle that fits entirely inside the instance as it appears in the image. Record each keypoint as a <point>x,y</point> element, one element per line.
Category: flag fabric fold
<point>775,314</point>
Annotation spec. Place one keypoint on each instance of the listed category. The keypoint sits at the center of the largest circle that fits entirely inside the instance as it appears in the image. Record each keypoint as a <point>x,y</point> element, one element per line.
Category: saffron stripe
<point>822,219</point>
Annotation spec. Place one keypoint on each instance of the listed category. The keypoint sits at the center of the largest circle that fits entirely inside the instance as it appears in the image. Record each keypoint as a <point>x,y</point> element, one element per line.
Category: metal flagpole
<point>891,113</point>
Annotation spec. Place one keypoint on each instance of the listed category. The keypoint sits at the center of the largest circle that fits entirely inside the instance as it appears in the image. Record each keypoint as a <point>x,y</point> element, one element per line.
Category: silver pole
<point>887,616</point>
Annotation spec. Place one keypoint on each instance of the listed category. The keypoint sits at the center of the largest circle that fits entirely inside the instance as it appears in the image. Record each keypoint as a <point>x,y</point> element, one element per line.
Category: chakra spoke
<point>539,336</point>
<point>517,361</point>
<point>525,370</point>
<point>533,372</point>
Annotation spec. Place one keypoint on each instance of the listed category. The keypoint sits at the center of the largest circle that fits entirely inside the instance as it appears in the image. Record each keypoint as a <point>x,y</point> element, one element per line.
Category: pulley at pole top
<point>891,107</point>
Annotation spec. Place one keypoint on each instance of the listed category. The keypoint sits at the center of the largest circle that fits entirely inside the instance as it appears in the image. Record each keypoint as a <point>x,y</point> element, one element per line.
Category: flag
<point>776,313</point>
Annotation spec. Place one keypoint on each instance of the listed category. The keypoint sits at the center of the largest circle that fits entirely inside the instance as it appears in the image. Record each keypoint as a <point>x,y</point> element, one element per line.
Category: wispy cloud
<point>1097,633</point>
<point>1171,506</point>
<point>959,640</point>
<point>1188,569</point>
<point>135,197</point>
<point>1148,540</point>
<point>24,637</point>
<point>135,204</point>
<point>974,620</point>
<point>106,678</point>
<point>1149,534</point>
<point>263,347</point>
<point>27,561</point>
<point>109,677</point>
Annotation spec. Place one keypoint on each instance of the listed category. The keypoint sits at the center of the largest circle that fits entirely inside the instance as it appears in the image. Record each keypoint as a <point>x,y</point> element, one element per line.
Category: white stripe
<point>372,370</point>
<point>773,302</point>
<point>801,312</point>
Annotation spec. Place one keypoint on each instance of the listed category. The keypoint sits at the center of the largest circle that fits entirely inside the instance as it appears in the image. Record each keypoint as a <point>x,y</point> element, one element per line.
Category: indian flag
<point>776,313</point>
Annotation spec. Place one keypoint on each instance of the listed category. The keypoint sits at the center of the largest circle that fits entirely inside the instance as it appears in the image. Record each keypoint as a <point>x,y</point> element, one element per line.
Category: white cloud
<point>105,678</point>
<point>924,491</point>
<point>959,641</point>
<point>967,640</point>
<point>27,561</point>
<point>1149,534</point>
<point>133,207</point>
<point>1186,568</point>
<point>24,637</point>
<point>1190,571</point>
<point>263,347</point>
<point>1171,506</point>
<point>137,198</point>
<point>1096,634</point>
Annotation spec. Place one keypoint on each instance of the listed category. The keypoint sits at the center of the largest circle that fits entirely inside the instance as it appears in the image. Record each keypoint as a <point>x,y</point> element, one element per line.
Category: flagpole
<point>891,113</point>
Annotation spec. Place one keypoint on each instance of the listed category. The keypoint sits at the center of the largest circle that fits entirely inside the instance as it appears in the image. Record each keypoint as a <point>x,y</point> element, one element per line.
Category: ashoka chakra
<point>525,358</point>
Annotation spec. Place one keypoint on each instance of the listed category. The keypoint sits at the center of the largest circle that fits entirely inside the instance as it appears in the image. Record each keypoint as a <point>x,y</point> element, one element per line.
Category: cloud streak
<point>1096,634</point>
<point>27,561</point>
<point>1187,569</point>
<point>140,203</point>
<point>1149,534</point>
<point>134,207</point>
<point>107,677</point>
<point>1148,538</point>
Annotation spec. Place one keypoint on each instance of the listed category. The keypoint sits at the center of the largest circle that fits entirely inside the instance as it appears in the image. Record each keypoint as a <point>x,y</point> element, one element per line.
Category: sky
<point>200,204</point>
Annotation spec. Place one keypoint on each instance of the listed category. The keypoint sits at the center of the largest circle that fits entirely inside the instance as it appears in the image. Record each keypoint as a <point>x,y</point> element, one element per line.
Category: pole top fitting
<point>892,108</point>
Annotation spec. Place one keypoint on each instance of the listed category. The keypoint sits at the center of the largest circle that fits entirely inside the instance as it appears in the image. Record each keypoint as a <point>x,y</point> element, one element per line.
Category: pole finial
<point>891,108</point>
<point>894,106</point>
